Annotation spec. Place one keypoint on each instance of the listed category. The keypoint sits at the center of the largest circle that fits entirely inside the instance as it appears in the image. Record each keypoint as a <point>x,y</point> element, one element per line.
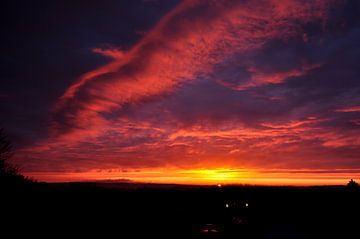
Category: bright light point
<point>227,205</point>
<point>219,185</point>
<point>246,204</point>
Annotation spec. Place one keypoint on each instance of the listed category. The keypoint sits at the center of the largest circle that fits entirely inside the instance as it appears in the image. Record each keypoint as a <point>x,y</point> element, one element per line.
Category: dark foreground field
<point>105,210</point>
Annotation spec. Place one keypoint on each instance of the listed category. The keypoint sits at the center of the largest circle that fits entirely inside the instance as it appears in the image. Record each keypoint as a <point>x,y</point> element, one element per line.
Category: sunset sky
<point>199,91</point>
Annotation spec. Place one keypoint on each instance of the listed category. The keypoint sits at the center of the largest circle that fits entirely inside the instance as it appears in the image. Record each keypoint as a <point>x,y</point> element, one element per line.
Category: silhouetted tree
<point>8,171</point>
<point>352,184</point>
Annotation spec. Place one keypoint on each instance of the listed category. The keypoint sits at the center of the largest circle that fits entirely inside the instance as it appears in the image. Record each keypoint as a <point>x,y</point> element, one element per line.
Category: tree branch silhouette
<point>8,172</point>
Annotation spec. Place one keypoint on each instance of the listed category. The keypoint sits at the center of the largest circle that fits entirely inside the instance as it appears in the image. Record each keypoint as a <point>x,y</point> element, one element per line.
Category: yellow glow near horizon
<point>214,176</point>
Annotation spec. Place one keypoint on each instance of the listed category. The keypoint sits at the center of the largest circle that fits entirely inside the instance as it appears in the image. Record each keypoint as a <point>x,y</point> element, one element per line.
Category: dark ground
<point>110,210</point>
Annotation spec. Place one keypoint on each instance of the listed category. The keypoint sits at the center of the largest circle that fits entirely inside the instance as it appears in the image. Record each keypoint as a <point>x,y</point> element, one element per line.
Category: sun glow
<point>216,175</point>
<point>202,176</point>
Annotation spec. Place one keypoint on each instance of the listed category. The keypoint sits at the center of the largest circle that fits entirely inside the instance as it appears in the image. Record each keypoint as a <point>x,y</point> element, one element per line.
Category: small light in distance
<point>246,204</point>
<point>219,185</point>
<point>227,205</point>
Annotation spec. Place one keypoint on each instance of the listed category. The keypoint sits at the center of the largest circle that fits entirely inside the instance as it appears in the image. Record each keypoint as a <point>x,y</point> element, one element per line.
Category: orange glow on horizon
<point>218,176</point>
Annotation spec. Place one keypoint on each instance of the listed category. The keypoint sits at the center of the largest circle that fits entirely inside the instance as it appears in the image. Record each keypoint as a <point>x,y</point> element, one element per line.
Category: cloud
<point>259,78</point>
<point>266,85</point>
<point>349,109</point>
<point>184,45</point>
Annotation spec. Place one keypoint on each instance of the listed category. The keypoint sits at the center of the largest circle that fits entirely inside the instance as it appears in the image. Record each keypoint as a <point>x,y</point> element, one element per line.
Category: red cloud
<point>349,109</point>
<point>259,78</point>
<point>185,45</point>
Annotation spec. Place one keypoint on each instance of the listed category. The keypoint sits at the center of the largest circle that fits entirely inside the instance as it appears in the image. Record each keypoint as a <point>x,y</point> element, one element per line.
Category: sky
<point>196,92</point>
